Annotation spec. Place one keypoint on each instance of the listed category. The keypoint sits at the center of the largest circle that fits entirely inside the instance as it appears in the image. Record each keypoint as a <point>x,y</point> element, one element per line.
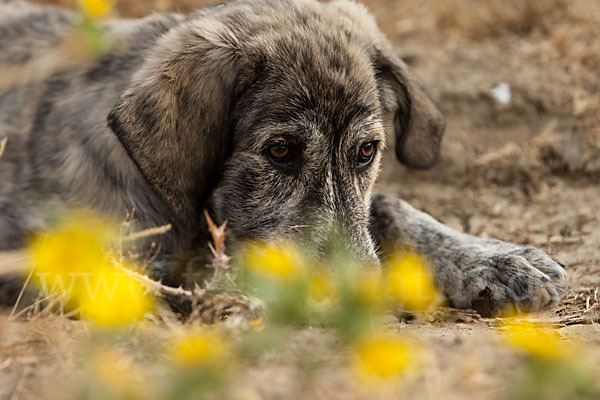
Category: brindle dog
<point>268,113</point>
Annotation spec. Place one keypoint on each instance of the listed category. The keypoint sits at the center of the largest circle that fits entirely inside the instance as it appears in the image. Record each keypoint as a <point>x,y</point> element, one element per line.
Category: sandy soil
<point>527,172</point>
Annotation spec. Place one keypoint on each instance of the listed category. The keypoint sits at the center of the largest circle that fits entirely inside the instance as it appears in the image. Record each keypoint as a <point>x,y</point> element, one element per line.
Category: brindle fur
<point>181,117</point>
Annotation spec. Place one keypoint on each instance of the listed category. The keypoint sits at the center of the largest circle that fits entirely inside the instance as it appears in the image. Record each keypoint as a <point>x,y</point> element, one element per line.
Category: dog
<point>268,113</point>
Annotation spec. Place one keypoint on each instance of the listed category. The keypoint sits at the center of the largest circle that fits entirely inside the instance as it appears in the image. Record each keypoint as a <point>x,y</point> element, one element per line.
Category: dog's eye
<point>367,150</point>
<point>279,152</point>
<point>366,153</point>
<point>284,157</point>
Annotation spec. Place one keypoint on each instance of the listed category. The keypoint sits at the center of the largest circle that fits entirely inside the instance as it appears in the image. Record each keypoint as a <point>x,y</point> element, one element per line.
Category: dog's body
<point>269,113</point>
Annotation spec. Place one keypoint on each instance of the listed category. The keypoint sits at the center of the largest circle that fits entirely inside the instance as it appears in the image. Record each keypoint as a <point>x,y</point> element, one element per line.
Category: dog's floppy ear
<point>418,123</point>
<point>174,119</point>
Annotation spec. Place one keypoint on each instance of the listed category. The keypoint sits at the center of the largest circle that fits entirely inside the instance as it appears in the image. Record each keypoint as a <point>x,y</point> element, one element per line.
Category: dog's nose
<point>332,241</point>
<point>339,219</point>
<point>327,253</point>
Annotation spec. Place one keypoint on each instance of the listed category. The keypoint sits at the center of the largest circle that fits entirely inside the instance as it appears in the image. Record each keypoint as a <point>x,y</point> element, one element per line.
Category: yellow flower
<point>72,260</point>
<point>199,348</point>
<point>69,253</point>
<point>278,262</point>
<point>111,297</point>
<point>383,356</point>
<point>96,9</point>
<point>322,288</point>
<point>535,339</point>
<point>410,282</point>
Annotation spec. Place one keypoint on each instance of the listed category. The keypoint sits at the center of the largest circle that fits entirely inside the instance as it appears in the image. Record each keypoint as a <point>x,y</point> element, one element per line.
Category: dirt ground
<point>525,171</point>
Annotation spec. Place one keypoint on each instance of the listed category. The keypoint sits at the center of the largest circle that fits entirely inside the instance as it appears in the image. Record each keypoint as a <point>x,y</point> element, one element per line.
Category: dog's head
<point>271,112</point>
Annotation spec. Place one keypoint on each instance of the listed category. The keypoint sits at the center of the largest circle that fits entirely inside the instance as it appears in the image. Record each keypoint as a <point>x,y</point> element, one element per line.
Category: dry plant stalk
<point>208,304</point>
<point>157,287</point>
<point>221,260</point>
<point>147,233</point>
<point>13,261</point>
<point>3,145</point>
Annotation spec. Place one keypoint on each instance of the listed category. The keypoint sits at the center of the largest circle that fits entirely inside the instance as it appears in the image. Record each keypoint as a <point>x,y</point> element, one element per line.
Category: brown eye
<point>285,157</point>
<point>367,150</point>
<point>366,153</point>
<point>279,151</point>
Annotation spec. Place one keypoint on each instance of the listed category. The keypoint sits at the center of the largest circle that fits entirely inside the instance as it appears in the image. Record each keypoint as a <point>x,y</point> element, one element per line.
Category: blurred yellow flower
<point>281,262</point>
<point>322,288</point>
<point>383,356</point>
<point>72,259</point>
<point>111,297</point>
<point>536,339</point>
<point>199,348</point>
<point>96,9</point>
<point>409,281</point>
<point>69,253</point>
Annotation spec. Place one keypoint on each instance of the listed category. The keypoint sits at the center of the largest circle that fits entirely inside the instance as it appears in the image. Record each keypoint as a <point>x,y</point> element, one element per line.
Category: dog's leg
<point>479,273</point>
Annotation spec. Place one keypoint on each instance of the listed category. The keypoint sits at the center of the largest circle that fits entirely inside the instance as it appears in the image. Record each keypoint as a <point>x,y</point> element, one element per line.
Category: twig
<point>29,307</point>
<point>220,262</point>
<point>20,296</point>
<point>3,145</point>
<point>158,287</point>
<point>218,237</point>
<point>14,261</point>
<point>147,232</point>
<point>22,290</point>
<point>72,313</point>
<point>49,307</point>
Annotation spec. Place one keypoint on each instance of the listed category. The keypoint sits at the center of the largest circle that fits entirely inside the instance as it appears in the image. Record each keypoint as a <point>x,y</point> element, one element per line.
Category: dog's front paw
<point>498,276</point>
